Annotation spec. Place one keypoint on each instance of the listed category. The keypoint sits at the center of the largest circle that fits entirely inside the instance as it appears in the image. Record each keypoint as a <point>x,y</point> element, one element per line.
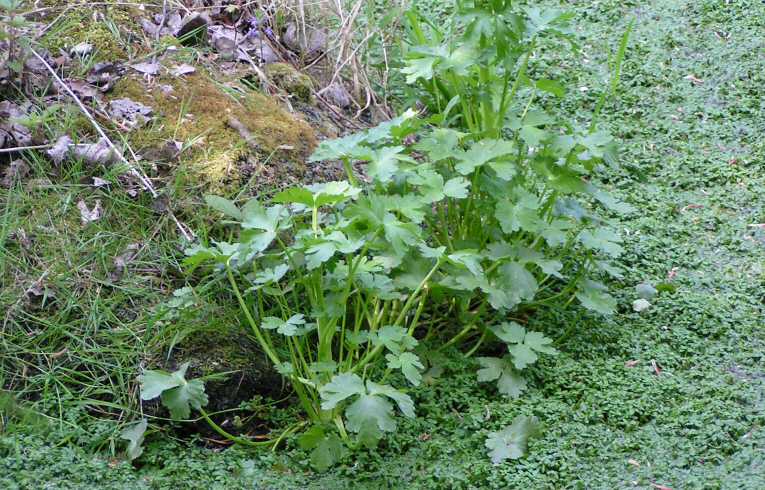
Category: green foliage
<point>134,434</point>
<point>13,31</point>
<point>694,426</point>
<point>512,441</point>
<point>177,393</point>
<point>493,208</point>
<point>523,347</point>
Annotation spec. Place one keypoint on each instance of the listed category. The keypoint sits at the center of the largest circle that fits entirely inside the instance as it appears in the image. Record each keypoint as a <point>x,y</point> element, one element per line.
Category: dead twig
<point>245,133</point>
<point>24,148</point>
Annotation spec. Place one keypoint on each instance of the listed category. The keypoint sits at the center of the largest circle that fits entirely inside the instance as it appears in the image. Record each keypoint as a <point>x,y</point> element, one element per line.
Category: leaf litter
<point>88,215</point>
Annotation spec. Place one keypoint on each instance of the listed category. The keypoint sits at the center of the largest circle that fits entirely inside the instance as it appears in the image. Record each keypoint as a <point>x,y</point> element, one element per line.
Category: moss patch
<point>196,110</point>
<point>289,79</point>
<point>80,25</point>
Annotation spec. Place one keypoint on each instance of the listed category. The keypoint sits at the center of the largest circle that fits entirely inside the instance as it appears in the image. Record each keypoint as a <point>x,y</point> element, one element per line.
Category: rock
<point>315,42</point>
<point>640,305</point>
<point>292,81</point>
<point>646,290</point>
<point>336,94</point>
<point>264,53</point>
<point>226,47</point>
<point>193,30</point>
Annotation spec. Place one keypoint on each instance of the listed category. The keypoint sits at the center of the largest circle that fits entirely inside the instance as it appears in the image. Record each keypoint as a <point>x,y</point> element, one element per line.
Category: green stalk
<point>615,75</point>
<point>374,352</point>
<point>239,440</point>
<point>253,325</point>
<point>349,171</point>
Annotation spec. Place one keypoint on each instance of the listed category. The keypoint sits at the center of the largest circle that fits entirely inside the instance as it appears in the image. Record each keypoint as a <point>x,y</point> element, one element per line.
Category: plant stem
<point>239,440</point>
<point>256,330</point>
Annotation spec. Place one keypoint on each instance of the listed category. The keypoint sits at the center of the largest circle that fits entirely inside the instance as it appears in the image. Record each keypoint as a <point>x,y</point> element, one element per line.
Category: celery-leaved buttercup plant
<point>483,210</point>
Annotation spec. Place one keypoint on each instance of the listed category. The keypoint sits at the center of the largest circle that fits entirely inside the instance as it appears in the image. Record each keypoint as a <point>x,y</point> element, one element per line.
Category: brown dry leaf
<point>83,89</point>
<point>656,367</point>
<point>173,21</point>
<point>691,206</point>
<point>99,182</point>
<point>105,75</point>
<point>147,67</point>
<point>38,291</point>
<point>155,30</point>
<point>83,49</point>
<point>123,260</point>
<point>21,237</point>
<point>182,69</point>
<point>100,153</point>
<point>89,215</point>
<point>130,113</point>
<point>10,116</point>
<point>17,170</point>
<point>631,364</point>
<point>245,133</point>
<point>60,149</point>
<point>60,353</point>
<point>660,487</point>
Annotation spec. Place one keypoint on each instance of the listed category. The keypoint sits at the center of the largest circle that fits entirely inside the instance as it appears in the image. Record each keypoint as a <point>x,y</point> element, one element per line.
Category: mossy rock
<point>198,111</point>
<point>78,25</point>
<point>292,81</point>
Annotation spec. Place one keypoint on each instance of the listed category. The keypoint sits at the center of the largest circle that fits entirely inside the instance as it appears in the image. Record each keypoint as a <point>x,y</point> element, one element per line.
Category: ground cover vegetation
<point>457,276</point>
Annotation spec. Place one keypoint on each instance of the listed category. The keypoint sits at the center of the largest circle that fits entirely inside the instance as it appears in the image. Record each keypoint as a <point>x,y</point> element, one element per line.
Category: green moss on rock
<point>292,81</point>
<point>79,25</point>
<point>199,111</point>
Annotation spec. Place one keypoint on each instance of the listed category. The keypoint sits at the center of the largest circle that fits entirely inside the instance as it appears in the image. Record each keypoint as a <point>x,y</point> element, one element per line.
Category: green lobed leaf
<point>409,364</point>
<point>180,400</point>
<point>440,144</point>
<point>395,339</point>
<point>512,441</point>
<point>225,206</point>
<point>509,382</point>
<point>384,162</point>
<point>481,153</point>
<point>603,239</point>
<point>457,188</point>
<point>551,87</point>
<point>134,434</point>
<point>523,345</point>
<point>340,387</point>
<point>593,296</point>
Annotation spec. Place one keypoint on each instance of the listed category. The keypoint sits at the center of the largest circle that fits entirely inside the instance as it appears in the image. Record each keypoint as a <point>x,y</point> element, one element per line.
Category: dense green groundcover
<point>674,396</point>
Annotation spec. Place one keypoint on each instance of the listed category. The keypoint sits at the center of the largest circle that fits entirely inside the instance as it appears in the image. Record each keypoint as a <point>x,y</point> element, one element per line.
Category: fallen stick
<point>24,148</point>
